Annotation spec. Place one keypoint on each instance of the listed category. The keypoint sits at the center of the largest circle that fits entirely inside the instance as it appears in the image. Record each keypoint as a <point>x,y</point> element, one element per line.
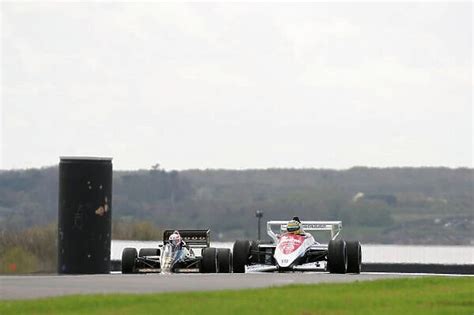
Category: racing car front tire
<point>337,256</point>
<point>224,260</point>
<point>209,260</point>
<point>241,252</point>
<point>354,257</point>
<point>149,252</point>
<point>129,256</point>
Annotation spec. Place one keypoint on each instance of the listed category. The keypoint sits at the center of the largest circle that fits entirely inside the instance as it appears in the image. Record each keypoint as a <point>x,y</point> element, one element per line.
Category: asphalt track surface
<point>38,286</point>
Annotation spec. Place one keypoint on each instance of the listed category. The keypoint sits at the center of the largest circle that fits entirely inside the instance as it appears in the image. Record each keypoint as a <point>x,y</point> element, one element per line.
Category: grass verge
<point>426,295</point>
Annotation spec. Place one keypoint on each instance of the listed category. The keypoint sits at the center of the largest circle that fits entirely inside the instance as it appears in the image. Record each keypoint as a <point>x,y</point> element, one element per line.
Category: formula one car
<point>287,251</point>
<point>173,258</point>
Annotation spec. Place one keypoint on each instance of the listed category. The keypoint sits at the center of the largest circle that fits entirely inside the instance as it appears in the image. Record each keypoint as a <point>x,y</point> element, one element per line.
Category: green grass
<point>427,295</point>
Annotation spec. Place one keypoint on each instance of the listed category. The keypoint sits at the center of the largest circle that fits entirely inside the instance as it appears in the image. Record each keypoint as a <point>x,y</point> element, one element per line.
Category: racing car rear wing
<point>194,238</point>
<point>334,227</point>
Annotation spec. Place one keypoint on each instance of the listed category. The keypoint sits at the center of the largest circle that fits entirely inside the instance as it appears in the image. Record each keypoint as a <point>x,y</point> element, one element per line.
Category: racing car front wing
<point>313,266</point>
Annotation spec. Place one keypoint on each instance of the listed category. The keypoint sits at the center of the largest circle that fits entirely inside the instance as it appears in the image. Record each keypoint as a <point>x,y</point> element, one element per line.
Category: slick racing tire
<point>149,252</point>
<point>129,256</point>
<point>354,257</point>
<point>224,260</point>
<point>337,256</point>
<point>241,252</point>
<point>209,260</point>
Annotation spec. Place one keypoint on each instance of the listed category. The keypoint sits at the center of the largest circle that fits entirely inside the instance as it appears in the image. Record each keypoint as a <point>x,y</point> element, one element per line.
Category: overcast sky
<point>237,85</point>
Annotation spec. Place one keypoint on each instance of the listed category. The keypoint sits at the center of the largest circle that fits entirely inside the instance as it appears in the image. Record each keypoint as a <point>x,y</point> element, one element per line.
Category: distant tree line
<point>376,204</point>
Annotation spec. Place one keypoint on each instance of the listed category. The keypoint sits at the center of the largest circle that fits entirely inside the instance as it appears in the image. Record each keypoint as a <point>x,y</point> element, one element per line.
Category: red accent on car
<point>290,242</point>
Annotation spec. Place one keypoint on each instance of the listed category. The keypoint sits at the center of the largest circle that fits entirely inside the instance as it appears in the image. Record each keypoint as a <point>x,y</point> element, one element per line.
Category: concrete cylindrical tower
<point>85,215</point>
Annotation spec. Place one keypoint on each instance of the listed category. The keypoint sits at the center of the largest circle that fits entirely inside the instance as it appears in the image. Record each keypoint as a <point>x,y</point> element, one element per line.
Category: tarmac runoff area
<point>39,286</point>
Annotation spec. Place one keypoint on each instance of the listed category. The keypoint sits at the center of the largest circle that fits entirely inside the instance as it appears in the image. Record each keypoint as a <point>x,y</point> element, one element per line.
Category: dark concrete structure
<point>85,215</point>
<point>419,268</point>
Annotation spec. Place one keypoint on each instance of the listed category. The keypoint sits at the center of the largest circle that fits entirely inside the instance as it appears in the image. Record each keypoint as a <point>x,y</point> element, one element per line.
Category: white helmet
<point>175,238</point>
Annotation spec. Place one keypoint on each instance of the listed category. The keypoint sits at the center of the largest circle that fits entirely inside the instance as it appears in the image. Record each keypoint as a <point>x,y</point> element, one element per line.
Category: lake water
<point>370,252</point>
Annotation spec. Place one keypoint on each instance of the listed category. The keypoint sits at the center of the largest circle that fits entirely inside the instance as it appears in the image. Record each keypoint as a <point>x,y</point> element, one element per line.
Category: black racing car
<point>168,258</point>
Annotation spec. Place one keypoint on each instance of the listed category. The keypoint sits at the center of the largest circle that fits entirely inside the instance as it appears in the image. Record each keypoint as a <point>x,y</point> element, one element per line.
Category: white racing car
<point>290,251</point>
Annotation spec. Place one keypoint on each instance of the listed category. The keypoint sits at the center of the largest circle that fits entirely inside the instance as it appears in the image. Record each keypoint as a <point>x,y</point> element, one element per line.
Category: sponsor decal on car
<point>289,243</point>
<point>314,226</point>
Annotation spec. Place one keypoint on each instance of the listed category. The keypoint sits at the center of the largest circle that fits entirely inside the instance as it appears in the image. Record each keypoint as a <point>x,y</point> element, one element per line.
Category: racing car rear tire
<point>224,260</point>
<point>354,257</point>
<point>337,256</point>
<point>149,252</point>
<point>209,260</point>
<point>129,256</point>
<point>241,252</point>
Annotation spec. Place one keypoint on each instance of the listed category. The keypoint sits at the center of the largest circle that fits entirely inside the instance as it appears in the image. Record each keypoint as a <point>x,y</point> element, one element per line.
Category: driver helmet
<point>175,238</point>
<point>293,227</point>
